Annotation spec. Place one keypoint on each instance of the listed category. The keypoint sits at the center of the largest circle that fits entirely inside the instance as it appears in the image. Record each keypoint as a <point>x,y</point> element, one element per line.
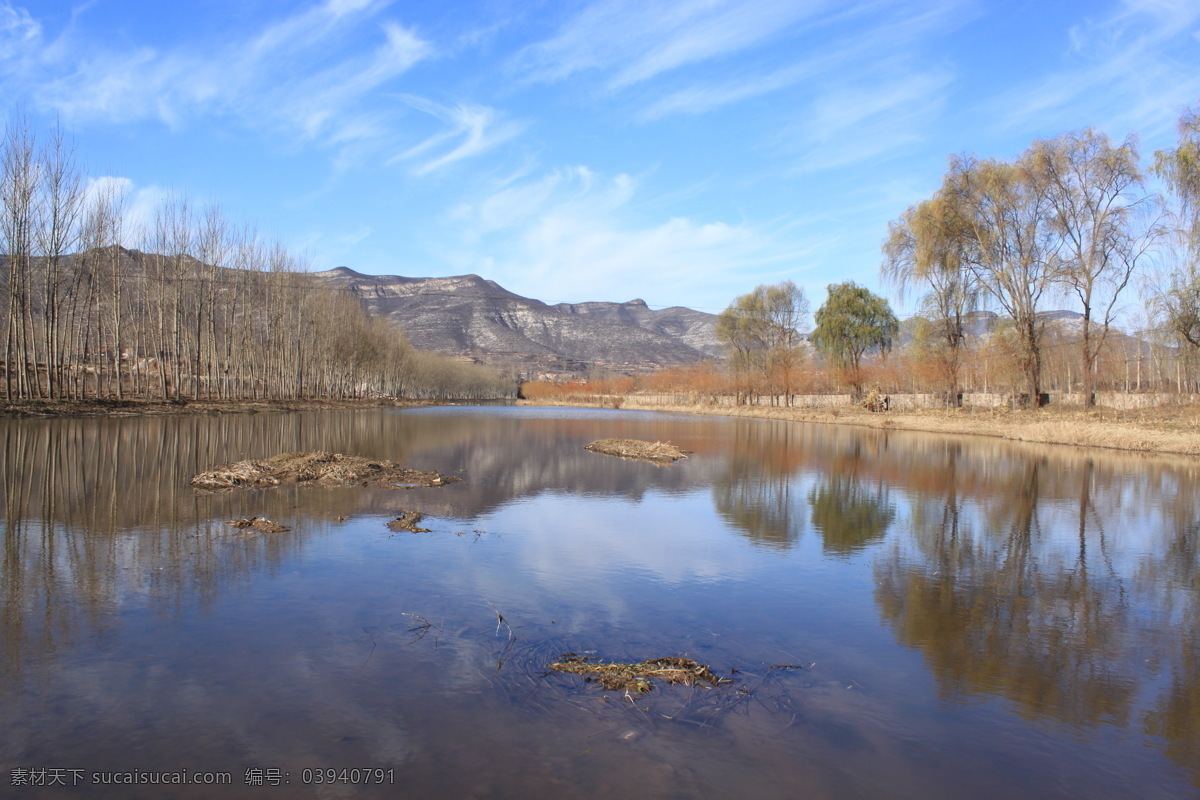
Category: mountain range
<point>477,319</point>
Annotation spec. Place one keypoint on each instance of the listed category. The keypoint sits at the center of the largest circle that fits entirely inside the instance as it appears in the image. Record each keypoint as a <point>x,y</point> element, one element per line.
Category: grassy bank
<point>1164,429</point>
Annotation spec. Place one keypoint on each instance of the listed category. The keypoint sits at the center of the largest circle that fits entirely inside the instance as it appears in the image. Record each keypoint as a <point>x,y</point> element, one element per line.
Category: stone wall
<point>1118,400</point>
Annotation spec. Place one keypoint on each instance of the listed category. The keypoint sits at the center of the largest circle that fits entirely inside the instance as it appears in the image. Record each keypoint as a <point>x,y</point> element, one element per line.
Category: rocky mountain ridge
<point>478,319</point>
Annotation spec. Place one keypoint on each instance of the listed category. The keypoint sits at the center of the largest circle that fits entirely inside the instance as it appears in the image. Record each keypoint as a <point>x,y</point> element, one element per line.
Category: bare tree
<point>18,193</point>
<point>1012,249</point>
<point>1095,193</point>
<point>761,330</point>
<point>57,236</point>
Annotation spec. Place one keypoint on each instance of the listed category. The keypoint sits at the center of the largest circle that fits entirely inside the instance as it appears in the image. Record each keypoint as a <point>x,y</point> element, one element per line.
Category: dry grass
<point>314,469</point>
<point>1162,429</point>
<point>638,677</point>
<point>660,452</point>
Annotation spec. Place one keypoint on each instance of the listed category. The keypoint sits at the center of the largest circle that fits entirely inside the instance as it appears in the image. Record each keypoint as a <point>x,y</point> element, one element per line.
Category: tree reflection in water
<point>1064,584</point>
<point>756,492</point>
<point>1021,592</point>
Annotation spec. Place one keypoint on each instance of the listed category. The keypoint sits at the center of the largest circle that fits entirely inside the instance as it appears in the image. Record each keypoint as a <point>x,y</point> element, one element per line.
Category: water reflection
<point>849,514</point>
<point>755,493</point>
<point>1046,587</point>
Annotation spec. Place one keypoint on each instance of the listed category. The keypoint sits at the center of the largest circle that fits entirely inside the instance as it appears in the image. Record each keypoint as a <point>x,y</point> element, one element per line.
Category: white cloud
<point>569,235</point>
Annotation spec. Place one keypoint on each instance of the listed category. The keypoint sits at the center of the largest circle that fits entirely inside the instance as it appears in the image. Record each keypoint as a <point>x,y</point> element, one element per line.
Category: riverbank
<point>1158,429</point>
<point>102,407</point>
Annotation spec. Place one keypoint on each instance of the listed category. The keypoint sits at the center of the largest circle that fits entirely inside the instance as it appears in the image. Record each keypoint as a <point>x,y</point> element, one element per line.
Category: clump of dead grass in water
<point>408,521</point>
<point>638,678</point>
<point>261,524</point>
<point>659,452</point>
<point>318,468</point>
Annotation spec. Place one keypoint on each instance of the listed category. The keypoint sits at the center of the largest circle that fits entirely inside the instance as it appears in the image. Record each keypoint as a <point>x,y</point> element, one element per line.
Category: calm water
<point>972,618</point>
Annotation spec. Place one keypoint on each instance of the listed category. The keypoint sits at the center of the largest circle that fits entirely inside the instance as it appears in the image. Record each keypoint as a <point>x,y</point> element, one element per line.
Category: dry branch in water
<point>637,677</point>
<point>259,524</point>
<point>662,452</point>
<point>318,468</point>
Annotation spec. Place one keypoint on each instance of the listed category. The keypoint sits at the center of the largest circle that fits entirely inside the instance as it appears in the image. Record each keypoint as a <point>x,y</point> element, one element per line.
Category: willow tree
<point>1095,199</point>
<point>850,323</point>
<point>926,251</point>
<point>1179,169</point>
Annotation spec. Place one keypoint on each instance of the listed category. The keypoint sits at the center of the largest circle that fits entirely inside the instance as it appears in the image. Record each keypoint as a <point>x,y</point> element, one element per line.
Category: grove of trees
<point>761,331</point>
<point>1070,220</point>
<point>203,308</point>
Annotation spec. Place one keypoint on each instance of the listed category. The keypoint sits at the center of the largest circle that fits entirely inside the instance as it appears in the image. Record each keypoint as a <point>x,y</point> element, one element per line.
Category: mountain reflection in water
<point>975,617</point>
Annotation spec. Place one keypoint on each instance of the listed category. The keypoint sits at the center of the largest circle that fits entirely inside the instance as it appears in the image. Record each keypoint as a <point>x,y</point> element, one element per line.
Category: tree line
<point>203,308</point>
<point>1071,220</point>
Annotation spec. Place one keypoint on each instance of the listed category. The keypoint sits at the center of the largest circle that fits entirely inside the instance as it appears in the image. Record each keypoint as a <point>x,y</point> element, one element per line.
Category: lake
<point>898,615</point>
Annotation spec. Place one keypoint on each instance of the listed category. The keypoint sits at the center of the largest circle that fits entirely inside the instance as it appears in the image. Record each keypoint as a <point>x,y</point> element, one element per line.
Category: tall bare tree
<point>1097,207</point>
<point>18,195</point>
<point>1012,248</point>
<point>57,236</point>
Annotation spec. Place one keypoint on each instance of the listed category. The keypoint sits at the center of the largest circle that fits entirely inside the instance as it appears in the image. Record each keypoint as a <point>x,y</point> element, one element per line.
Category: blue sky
<point>681,152</point>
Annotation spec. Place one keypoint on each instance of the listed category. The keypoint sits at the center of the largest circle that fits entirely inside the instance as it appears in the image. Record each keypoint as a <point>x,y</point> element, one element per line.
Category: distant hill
<point>475,318</point>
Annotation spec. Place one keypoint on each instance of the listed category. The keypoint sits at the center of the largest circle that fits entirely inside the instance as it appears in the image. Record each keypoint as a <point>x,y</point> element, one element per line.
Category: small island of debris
<point>637,677</point>
<point>657,452</point>
<point>408,521</point>
<point>259,524</point>
<point>315,469</point>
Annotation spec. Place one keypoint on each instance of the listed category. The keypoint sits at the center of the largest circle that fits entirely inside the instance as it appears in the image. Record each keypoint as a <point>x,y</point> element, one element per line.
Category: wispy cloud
<point>863,122</point>
<point>632,41</point>
<point>259,79</point>
<point>470,130</point>
<point>733,51</point>
<point>1131,69</point>
<point>320,76</point>
<point>702,97</point>
<point>17,28</point>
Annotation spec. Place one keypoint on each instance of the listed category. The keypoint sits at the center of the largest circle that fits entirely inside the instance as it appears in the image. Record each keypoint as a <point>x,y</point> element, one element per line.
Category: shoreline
<point>1170,430</point>
<point>111,407</point>
<point>1173,430</point>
